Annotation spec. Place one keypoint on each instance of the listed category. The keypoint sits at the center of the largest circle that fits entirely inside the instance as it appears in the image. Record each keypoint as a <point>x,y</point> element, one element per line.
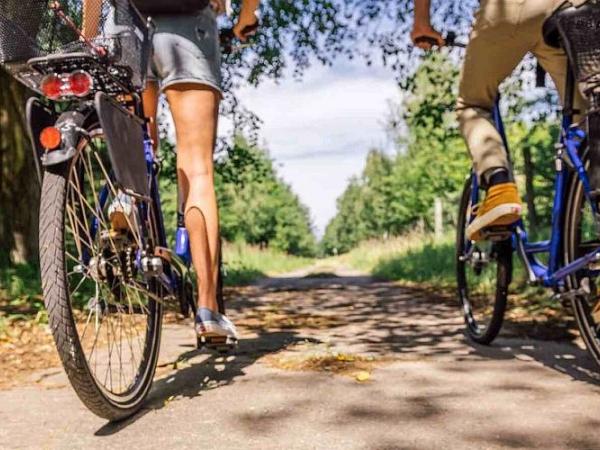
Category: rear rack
<point>112,80</point>
<point>39,37</point>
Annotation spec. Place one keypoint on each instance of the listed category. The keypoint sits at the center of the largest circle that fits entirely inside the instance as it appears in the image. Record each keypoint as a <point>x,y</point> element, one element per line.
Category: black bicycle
<point>104,288</point>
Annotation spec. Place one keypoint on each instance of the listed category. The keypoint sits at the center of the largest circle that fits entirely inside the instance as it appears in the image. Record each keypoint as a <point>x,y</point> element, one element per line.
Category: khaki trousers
<point>503,33</point>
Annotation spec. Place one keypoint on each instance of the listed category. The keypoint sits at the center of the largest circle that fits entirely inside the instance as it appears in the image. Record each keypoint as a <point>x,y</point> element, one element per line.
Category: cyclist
<point>504,31</point>
<point>186,68</point>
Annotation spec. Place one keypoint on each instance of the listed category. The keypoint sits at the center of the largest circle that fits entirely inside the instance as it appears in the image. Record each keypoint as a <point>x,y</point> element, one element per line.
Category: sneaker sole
<point>506,214</point>
<point>212,330</point>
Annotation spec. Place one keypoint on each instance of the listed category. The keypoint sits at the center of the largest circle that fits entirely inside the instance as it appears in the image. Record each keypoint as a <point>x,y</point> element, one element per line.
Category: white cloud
<point>320,129</point>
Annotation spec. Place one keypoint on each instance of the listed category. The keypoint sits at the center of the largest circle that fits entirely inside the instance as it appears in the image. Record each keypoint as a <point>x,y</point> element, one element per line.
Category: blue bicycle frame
<point>569,149</point>
<point>180,258</point>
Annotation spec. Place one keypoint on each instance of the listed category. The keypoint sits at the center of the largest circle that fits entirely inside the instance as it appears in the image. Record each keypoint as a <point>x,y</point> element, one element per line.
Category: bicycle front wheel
<point>105,315</point>
<point>483,274</point>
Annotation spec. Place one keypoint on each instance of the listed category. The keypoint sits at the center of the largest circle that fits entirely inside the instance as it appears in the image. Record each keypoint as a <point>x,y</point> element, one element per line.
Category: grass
<point>418,259</point>
<point>245,263</point>
<point>20,290</point>
<point>414,257</point>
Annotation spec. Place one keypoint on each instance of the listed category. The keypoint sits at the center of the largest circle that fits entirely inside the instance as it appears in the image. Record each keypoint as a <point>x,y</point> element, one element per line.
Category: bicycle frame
<point>567,154</point>
<point>180,258</point>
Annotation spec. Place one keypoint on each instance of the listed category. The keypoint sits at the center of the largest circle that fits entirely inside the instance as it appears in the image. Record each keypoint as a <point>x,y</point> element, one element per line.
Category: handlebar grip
<point>426,40</point>
<point>450,38</point>
<point>250,28</point>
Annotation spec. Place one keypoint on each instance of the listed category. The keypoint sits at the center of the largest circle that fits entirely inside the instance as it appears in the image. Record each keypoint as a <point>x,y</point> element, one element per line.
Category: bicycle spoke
<point>103,276</point>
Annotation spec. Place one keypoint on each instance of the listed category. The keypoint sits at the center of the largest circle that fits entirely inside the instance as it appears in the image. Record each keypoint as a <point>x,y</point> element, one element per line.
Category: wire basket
<point>578,28</point>
<point>32,29</point>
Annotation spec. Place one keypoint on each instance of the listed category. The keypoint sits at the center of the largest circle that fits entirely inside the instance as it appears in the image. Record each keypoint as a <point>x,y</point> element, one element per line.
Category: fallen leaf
<point>363,376</point>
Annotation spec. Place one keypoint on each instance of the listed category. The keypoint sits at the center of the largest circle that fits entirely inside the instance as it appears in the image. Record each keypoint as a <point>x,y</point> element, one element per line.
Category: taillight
<point>51,86</point>
<point>80,84</point>
<point>50,138</point>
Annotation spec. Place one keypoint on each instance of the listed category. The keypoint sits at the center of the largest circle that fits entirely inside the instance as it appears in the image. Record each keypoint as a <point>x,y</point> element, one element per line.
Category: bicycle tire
<point>503,274</point>
<point>574,247</point>
<point>61,315</point>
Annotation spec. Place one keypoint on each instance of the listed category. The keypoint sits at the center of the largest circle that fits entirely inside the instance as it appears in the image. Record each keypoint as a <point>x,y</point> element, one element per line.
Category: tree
<point>256,206</point>
<point>19,187</point>
<point>394,193</point>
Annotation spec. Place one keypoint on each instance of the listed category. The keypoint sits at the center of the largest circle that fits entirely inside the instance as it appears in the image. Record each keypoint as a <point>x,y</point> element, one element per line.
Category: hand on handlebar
<point>427,42</point>
<point>228,36</point>
<point>245,28</point>
<point>425,37</point>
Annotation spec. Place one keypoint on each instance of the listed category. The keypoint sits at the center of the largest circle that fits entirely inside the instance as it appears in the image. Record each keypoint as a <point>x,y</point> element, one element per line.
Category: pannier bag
<point>170,6</point>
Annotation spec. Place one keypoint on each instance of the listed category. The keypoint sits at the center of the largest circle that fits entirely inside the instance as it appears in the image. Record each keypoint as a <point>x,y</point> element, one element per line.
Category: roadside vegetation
<point>245,264</point>
<point>414,257</point>
<point>396,191</point>
<point>265,228</point>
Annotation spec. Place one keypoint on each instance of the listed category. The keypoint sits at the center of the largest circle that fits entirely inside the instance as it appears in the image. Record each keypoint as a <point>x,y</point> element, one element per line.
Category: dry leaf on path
<point>363,376</point>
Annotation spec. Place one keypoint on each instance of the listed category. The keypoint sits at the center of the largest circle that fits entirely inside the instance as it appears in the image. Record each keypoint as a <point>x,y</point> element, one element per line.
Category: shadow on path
<point>383,318</point>
<point>202,375</point>
<point>360,316</point>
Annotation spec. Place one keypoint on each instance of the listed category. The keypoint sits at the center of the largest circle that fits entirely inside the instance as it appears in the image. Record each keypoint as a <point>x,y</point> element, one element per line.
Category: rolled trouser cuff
<point>482,138</point>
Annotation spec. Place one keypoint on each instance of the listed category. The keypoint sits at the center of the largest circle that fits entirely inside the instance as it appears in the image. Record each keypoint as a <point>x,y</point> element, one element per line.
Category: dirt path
<point>334,363</point>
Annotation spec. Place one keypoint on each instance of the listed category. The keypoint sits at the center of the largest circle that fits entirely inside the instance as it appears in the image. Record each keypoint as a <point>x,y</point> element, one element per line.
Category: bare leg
<point>150,98</point>
<point>195,111</point>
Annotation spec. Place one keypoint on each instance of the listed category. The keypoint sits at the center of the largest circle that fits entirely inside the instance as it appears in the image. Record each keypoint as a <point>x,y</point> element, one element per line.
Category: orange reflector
<point>50,138</point>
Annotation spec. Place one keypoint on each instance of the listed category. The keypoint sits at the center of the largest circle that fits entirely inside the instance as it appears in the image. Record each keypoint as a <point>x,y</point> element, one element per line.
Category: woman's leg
<point>195,110</point>
<point>150,98</point>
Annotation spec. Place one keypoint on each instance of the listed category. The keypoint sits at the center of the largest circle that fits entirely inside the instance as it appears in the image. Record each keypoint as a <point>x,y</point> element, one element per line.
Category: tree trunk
<point>19,186</point>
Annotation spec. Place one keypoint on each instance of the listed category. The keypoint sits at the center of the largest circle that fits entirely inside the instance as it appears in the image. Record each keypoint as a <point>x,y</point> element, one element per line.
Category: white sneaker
<point>121,212</point>
<point>213,324</point>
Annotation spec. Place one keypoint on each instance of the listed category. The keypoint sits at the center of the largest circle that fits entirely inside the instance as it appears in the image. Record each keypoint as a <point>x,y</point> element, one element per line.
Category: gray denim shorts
<point>186,50</point>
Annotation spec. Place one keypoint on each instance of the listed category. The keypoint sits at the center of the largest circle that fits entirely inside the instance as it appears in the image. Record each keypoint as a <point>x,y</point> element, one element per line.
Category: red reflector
<point>80,84</point>
<point>51,86</point>
<point>50,138</point>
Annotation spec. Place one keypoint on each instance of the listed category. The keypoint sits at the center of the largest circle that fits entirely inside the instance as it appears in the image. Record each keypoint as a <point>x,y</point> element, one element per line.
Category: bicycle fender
<point>38,117</point>
<point>70,125</point>
<point>124,134</point>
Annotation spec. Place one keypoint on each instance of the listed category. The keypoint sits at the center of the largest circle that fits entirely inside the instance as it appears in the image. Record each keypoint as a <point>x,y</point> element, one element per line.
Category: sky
<point>320,129</point>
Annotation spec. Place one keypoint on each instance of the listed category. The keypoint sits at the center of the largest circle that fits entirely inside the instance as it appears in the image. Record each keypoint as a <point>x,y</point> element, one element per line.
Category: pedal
<point>219,344</point>
<point>497,233</point>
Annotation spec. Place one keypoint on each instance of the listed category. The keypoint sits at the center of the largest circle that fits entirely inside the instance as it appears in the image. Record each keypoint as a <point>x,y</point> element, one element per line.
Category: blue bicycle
<point>571,269</point>
<point>104,286</point>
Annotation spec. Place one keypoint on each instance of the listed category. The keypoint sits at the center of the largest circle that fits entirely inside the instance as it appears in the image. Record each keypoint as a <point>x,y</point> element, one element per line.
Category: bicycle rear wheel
<point>483,273</point>
<point>581,237</point>
<point>105,315</point>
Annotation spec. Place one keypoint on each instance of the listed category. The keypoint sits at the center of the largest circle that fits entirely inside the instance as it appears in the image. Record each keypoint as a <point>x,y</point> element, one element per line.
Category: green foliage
<point>255,205</point>
<point>533,155</point>
<point>258,207</point>
<point>245,264</point>
<point>20,291</point>
<point>296,33</point>
<point>394,193</point>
